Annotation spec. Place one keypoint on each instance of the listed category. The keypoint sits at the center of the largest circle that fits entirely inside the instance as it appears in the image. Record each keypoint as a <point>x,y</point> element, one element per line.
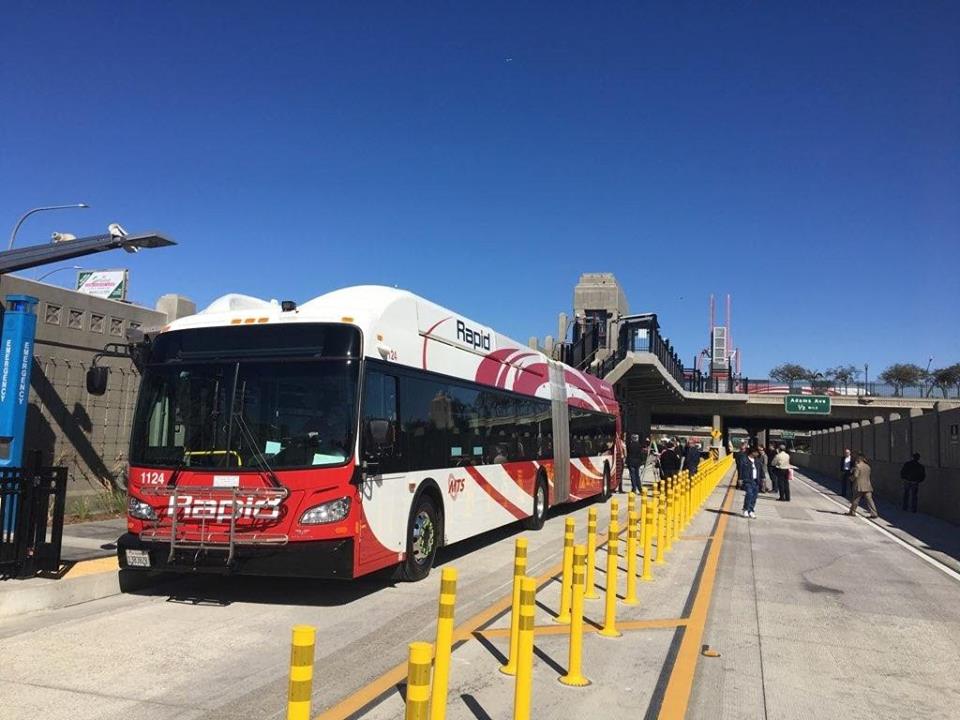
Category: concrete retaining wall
<point>888,442</point>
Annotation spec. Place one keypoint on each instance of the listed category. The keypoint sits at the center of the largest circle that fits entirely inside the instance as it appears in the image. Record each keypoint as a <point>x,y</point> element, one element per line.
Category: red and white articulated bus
<point>361,430</point>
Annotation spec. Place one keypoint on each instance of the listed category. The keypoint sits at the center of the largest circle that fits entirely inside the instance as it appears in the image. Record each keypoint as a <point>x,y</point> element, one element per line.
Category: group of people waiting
<point>759,471</point>
<point>668,461</point>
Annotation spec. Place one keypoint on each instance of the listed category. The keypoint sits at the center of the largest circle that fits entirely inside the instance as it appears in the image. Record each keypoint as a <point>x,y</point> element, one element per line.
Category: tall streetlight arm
<point>28,213</point>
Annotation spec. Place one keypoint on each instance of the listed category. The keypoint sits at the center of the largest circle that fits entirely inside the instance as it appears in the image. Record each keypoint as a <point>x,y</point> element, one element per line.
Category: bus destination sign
<point>807,404</point>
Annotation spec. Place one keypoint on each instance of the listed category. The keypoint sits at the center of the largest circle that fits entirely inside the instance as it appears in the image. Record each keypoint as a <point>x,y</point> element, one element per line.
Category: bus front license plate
<point>138,558</point>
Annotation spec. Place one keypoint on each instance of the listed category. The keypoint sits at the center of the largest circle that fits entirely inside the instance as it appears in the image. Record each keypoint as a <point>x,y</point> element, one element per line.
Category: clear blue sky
<point>804,157</point>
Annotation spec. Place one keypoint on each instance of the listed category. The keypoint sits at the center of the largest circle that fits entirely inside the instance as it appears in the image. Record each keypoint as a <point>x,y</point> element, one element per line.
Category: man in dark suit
<point>691,457</point>
<point>669,461</point>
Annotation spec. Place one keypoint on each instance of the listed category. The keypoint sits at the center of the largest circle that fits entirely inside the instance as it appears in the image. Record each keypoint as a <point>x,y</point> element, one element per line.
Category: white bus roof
<point>404,328</point>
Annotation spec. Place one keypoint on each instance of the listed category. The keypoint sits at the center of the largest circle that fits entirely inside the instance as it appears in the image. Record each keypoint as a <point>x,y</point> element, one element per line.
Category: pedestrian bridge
<point>653,386</point>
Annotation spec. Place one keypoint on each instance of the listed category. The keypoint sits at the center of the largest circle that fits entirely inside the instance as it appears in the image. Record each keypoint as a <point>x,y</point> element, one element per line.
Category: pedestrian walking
<point>862,487</point>
<point>912,473</point>
<point>781,469</point>
<point>752,480</point>
<point>636,456</point>
<point>846,471</point>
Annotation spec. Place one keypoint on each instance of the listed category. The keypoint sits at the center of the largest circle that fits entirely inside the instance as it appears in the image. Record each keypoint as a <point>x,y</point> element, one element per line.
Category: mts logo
<point>477,338</point>
<point>455,486</point>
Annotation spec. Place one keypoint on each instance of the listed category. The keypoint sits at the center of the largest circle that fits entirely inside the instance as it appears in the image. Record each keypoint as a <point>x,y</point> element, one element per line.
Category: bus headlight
<point>328,512</point>
<point>140,510</point>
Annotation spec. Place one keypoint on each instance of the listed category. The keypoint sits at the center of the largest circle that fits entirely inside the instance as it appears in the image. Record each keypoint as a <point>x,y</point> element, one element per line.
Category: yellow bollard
<point>648,545</point>
<point>633,532</point>
<point>567,577</point>
<point>671,506</point>
<point>418,681</point>
<point>444,644</point>
<point>521,695</point>
<point>574,674</point>
<point>519,570</point>
<point>661,500</point>
<point>591,589</point>
<point>631,502</point>
<point>610,614</point>
<point>642,510</point>
<point>615,509</point>
<point>301,672</point>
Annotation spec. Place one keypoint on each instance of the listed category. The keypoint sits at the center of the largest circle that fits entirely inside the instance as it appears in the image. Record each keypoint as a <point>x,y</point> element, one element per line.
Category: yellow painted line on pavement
<point>677,695</point>
<point>92,567</point>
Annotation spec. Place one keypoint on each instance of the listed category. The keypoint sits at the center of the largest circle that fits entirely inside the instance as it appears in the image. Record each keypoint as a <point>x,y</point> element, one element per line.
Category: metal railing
<point>31,519</point>
<point>642,334</point>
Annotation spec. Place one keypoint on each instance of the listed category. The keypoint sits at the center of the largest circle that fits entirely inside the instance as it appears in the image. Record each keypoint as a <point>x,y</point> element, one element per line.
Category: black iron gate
<point>31,519</point>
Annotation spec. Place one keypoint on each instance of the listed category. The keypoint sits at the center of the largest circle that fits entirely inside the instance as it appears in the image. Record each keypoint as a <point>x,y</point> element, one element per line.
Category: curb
<point>86,581</point>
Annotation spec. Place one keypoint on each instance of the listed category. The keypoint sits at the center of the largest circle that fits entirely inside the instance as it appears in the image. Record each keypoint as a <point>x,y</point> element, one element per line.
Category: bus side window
<point>380,421</point>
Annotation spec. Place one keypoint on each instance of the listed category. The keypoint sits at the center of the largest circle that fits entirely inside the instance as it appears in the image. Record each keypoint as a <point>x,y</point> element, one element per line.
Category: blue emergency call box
<point>16,361</point>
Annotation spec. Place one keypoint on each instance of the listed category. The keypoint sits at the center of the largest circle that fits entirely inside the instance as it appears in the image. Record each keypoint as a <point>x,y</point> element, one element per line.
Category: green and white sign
<point>807,404</point>
<point>109,284</point>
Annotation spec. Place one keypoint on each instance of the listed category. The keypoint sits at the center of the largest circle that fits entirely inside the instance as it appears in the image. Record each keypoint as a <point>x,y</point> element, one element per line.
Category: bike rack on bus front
<point>233,497</point>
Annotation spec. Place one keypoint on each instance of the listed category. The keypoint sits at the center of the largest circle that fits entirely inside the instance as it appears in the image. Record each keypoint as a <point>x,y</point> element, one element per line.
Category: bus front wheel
<point>423,535</point>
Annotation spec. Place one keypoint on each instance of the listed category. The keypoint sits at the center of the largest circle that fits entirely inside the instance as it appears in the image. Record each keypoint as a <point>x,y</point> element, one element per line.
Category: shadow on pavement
<point>474,707</point>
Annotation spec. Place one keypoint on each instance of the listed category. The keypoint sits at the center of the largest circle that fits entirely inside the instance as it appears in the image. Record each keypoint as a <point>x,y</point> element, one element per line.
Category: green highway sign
<point>807,404</point>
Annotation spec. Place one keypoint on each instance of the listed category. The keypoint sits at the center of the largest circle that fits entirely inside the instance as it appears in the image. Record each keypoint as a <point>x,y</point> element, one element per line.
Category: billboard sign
<point>109,284</point>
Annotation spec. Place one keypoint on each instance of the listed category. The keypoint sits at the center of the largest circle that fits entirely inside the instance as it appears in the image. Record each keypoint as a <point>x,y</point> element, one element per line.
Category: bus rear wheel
<point>607,487</point>
<point>536,520</point>
<point>423,533</point>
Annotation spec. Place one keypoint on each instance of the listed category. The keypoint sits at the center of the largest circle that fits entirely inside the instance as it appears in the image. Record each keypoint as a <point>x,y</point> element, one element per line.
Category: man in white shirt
<point>781,466</point>
<point>846,470</point>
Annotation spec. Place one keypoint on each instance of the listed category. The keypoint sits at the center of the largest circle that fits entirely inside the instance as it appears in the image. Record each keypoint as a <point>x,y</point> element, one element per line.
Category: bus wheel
<point>607,488</point>
<point>423,533</point>
<point>535,521</point>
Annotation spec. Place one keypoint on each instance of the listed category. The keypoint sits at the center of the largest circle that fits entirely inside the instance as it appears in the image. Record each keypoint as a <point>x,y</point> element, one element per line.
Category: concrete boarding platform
<point>817,614</point>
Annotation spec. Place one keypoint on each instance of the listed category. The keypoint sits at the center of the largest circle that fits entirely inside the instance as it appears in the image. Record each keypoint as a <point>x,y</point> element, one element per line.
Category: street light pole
<point>28,213</point>
<point>55,270</point>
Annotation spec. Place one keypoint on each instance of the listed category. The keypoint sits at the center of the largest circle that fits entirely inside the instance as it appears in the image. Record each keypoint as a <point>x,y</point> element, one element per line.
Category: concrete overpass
<point>651,394</point>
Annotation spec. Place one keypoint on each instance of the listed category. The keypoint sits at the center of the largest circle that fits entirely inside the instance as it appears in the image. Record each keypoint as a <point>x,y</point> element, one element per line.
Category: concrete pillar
<point>720,443</point>
<point>636,419</point>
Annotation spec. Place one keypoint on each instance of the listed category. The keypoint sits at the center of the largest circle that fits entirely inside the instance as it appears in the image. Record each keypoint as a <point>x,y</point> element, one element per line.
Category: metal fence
<point>31,519</point>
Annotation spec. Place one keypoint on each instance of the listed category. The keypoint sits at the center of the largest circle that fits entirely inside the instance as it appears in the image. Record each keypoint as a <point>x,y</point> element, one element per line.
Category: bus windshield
<point>205,403</point>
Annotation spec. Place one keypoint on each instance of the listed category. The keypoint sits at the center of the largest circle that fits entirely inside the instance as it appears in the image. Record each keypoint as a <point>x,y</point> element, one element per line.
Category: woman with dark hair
<point>862,487</point>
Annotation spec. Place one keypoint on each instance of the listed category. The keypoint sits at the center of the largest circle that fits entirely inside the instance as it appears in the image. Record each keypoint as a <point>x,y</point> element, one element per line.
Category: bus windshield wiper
<point>236,413</point>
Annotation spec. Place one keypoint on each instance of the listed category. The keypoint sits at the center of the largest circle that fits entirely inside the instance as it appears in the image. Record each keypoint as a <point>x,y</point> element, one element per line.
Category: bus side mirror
<point>97,380</point>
